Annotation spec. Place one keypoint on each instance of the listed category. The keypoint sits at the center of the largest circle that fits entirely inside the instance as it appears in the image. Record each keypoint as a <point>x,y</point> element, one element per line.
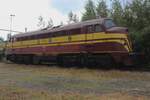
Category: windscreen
<point>109,24</point>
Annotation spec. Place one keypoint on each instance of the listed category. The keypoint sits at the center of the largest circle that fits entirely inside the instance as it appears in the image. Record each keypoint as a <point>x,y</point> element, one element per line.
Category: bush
<point>145,41</point>
<point>141,42</point>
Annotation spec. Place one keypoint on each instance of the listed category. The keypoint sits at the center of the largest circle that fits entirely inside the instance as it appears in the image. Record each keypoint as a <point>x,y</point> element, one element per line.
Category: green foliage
<point>92,11</point>
<point>128,17</point>
<point>101,9</point>
<point>50,23</point>
<point>117,12</point>
<point>41,23</point>
<point>1,48</point>
<point>1,40</point>
<point>146,41</point>
<point>139,14</point>
<point>139,24</point>
<point>89,11</point>
<point>72,17</point>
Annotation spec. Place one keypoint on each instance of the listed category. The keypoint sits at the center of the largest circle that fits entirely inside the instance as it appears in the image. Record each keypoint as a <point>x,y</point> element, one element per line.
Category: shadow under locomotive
<point>103,64</point>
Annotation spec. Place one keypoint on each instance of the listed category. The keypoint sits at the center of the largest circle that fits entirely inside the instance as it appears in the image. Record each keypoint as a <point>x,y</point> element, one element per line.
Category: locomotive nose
<point>118,30</point>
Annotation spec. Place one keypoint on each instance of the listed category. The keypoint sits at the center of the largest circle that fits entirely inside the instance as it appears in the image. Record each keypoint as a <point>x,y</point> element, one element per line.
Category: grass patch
<point>29,82</point>
<point>14,93</point>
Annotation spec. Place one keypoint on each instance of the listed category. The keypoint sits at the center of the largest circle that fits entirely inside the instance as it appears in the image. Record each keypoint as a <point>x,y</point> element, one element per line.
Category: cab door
<point>89,35</point>
<point>98,32</point>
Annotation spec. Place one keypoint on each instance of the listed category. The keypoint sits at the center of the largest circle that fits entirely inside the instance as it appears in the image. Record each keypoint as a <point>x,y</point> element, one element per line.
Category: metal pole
<point>11,17</point>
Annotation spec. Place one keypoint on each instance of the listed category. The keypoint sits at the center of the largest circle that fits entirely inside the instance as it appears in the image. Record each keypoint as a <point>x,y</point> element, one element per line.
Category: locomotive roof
<point>61,28</point>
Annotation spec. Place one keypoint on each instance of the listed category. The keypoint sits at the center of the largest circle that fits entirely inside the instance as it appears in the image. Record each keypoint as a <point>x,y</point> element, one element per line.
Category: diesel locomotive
<point>97,41</point>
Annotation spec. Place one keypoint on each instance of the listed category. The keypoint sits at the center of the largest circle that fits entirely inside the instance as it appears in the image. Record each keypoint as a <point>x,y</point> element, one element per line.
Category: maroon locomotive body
<point>97,41</point>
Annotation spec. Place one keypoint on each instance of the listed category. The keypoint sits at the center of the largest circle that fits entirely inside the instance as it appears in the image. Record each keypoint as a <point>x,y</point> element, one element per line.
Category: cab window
<point>97,28</point>
<point>90,29</point>
<point>109,24</point>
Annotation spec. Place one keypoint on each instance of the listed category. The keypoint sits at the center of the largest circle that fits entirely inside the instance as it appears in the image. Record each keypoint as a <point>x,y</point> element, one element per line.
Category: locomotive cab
<point>122,35</point>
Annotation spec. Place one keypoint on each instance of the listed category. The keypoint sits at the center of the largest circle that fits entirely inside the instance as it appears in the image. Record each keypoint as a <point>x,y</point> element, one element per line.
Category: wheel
<point>36,60</point>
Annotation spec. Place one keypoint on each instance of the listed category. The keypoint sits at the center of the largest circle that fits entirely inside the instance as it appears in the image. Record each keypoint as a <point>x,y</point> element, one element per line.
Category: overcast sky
<point>27,12</point>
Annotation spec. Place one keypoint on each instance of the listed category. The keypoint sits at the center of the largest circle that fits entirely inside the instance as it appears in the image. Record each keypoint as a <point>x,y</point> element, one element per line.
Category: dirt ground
<point>43,82</point>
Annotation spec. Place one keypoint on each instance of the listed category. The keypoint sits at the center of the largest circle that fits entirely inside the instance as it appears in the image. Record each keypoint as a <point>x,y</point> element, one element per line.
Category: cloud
<point>27,13</point>
<point>65,6</point>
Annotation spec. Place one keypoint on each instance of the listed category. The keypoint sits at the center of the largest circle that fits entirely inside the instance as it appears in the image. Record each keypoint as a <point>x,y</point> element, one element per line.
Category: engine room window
<point>90,29</point>
<point>75,31</point>
<point>109,23</point>
<point>98,28</point>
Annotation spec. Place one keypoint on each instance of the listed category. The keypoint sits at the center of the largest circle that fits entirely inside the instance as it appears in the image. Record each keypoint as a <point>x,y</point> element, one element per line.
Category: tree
<point>137,19</point>
<point>146,5</point>
<point>50,23</point>
<point>101,9</point>
<point>44,23</point>
<point>2,48</point>
<point>61,23</point>
<point>1,40</point>
<point>75,18</point>
<point>145,41</point>
<point>140,14</point>
<point>127,17</point>
<point>72,18</point>
<point>89,11</point>
<point>41,22</point>
<point>117,12</point>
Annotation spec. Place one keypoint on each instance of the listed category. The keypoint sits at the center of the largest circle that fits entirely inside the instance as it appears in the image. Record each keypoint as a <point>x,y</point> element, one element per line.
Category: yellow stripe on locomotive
<point>96,37</point>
